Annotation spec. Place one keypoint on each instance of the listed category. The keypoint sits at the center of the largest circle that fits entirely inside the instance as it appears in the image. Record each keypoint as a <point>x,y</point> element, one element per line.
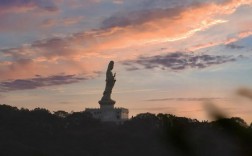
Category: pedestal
<point>107,104</point>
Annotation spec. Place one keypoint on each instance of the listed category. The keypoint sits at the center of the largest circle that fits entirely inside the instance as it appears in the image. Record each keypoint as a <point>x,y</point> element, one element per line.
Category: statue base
<point>107,104</point>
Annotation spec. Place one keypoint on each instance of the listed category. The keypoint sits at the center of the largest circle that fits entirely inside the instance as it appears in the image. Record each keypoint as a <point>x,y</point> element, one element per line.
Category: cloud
<point>118,1</point>
<point>38,81</point>
<point>19,6</point>
<point>25,15</point>
<point>78,54</point>
<point>162,25</point>
<point>188,99</point>
<point>234,46</point>
<point>48,57</point>
<point>178,61</point>
<point>61,22</point>
<point>140,17</point>
<point>171,10</point>
<point>172,24</point>
<point>228,42</point>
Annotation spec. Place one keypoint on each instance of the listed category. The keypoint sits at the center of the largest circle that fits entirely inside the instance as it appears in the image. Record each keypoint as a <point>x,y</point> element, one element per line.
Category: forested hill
<point>38,132</point>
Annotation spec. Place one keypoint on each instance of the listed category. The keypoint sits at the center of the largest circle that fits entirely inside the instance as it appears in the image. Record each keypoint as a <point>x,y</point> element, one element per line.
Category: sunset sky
<point>171,56</point>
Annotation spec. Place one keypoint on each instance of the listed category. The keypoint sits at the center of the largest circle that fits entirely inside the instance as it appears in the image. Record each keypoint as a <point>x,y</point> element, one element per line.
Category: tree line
<point>39,132</point>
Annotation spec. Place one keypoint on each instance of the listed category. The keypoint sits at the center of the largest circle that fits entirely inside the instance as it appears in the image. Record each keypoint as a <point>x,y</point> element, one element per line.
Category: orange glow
<point>67,54</point>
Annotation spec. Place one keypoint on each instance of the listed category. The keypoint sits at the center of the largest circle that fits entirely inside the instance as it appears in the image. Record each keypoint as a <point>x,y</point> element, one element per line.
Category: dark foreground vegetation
<point>41,133</point>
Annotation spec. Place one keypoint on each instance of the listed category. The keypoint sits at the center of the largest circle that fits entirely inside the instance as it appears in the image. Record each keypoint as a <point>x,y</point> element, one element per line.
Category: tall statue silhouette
<point>110,82</point>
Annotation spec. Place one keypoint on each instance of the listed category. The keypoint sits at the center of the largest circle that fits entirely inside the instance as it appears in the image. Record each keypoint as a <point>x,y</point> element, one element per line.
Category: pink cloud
<point>22,6</point>
<point>62,22</point>
<point>86,52</point>
<point>227,41</point>
<point>25,15</point>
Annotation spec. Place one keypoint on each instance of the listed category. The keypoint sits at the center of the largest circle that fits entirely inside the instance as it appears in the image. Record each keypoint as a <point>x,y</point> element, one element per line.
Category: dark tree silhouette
<point>39,132</point>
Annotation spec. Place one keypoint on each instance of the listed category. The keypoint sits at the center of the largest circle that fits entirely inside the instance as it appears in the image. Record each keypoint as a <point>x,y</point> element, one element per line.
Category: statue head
<point>111,65</point>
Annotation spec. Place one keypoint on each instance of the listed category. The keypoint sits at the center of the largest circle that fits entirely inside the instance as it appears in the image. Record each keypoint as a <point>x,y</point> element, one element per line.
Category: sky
<point>171,56</point>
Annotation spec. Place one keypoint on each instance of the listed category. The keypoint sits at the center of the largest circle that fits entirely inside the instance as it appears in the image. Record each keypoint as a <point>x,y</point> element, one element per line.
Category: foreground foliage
<point>41,133</point>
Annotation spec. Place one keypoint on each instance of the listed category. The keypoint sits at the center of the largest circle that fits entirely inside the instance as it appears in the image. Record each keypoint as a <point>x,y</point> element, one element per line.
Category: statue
<point>110,82</point>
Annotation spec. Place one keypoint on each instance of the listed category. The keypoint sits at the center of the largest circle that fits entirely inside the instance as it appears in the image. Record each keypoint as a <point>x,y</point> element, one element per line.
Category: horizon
<point>171,57</point>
